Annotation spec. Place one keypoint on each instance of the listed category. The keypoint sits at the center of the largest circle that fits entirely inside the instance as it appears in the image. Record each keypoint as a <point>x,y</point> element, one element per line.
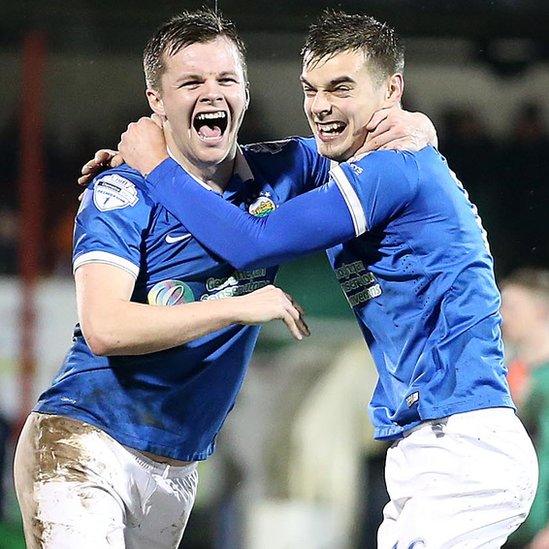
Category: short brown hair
<point>335,32</point>
<point>189,27</point>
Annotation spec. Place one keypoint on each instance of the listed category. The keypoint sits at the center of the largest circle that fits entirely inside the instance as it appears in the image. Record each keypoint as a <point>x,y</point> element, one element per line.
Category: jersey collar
<point>242,171</point>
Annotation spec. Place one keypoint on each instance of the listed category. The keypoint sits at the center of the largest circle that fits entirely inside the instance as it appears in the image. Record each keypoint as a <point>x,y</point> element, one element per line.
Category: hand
<point>270,303</point>
<point>395,128</point>
<point>143,145</point>
<point>103,160</point>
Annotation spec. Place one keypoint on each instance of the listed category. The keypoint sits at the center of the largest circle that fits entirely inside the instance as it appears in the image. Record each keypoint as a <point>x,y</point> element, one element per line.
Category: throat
<point>215,176</point>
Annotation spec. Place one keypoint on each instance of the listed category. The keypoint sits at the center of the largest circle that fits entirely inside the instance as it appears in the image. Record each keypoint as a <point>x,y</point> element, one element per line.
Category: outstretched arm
<point>313,221</point>
<point>333,213</point>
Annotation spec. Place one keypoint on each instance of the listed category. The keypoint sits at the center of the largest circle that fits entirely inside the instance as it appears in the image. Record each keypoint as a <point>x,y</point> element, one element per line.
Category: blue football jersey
<point>413,261</point>
<point>173,402</point>
<point>420,282</point>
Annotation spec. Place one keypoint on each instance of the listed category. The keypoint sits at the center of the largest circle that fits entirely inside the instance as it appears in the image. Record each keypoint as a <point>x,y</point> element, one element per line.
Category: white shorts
<point>466,481</point>
<point>79,488</point>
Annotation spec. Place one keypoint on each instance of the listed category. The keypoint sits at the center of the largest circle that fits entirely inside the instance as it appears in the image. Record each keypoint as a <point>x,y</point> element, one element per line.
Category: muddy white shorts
<point>466,481</point>
<point>79,488</point>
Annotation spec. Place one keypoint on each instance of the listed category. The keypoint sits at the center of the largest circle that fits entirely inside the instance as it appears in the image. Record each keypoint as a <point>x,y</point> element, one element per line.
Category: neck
<point>216,176</point>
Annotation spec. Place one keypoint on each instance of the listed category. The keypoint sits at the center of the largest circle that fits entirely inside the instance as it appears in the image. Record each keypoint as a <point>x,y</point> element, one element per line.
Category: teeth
<point>211,115</point>
<point>332,127</point>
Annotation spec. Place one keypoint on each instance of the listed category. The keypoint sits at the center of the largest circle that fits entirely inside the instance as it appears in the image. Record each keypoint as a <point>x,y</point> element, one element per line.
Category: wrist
<point>151,164</point>
<point>233,310</point>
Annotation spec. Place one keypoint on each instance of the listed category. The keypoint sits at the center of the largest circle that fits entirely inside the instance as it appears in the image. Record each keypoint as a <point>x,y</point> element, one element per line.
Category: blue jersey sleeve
<point>384,181</point>
<point>110,223</point>
<point>316,220</point>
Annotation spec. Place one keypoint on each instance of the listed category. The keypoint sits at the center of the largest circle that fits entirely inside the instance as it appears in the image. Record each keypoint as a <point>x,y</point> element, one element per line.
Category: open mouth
<point>330,130</point>
<point>210,126</point>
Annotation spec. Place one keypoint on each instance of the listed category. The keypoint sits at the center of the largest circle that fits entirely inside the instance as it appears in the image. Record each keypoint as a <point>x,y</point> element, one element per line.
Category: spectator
<point>526,328</point>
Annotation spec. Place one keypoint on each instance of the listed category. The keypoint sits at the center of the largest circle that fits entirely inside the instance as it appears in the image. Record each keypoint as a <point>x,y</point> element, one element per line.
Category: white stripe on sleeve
<point>351,199</point>
<point>108,258</point>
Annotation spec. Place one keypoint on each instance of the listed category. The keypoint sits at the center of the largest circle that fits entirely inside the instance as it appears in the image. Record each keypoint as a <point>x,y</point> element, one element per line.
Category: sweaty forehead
<point>213,57</point>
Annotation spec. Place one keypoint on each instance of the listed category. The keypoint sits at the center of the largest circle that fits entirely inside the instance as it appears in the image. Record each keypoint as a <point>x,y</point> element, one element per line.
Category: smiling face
<point>342,93</point>
<point>203,95</point>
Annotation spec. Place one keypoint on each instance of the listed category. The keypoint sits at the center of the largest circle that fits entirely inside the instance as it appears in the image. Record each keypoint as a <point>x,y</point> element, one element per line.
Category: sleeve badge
<point>114,192</point>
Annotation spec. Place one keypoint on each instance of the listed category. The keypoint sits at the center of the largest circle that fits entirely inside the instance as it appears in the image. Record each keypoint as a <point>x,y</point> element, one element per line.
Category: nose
<point>321,106</point>
<point>211,92</point>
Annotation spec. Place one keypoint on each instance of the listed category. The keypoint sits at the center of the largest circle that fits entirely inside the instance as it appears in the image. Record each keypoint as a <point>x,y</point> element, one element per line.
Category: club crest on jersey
<point>170,292</point>
<point>262,205</point>
<point>114,192</point>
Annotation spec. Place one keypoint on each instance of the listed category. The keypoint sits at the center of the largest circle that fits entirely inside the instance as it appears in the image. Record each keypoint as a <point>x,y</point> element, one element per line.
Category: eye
<point>342,89</point>
<point>190,84</point>
<point>308,91</point>
<point>228,80</point>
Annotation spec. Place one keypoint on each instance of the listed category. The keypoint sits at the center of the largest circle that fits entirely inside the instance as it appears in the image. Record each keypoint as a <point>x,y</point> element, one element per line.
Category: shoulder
<point>390,160</point>
<point>295,156</point>
<point>294,147</point>
<point>120,188</point>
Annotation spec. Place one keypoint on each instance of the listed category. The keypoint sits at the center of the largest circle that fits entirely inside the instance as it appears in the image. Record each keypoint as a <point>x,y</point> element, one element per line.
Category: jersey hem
<point>438,412</point>
<point>128,440</point>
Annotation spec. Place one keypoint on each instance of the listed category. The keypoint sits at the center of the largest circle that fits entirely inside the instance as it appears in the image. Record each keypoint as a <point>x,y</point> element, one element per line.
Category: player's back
<point>421,284</point>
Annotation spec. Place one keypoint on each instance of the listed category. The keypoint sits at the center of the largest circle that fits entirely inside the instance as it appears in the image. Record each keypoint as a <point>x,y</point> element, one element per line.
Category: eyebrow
<point>197,76</point>
<point>334,82</point>
<point>189,76</point>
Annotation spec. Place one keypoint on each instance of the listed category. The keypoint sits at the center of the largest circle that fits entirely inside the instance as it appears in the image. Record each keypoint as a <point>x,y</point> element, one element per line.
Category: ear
<point>394,90</point>
<point>247,95</point>
<point>155,101</point>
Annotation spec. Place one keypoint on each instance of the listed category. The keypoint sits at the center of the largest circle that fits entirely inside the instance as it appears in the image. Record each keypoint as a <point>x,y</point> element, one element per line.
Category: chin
<point>213,155</point>
<point>338,152</point>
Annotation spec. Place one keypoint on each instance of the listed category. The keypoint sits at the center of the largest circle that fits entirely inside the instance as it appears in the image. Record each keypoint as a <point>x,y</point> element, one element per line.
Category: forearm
<point>310,222</point>
<point>119,327</point>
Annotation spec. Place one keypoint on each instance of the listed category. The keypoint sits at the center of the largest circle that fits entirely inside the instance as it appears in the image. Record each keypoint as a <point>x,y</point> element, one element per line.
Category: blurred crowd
<point>506,178</point>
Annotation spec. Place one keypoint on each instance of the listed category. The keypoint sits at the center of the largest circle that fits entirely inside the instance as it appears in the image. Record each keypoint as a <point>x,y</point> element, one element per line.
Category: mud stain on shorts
<point>60,452</point>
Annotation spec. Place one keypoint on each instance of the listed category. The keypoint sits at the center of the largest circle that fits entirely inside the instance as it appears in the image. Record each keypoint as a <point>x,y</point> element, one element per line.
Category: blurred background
<point>296,465</point>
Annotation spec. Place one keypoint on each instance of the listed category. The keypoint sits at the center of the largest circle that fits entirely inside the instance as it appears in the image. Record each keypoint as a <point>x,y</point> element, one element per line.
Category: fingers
<point>103,158</point>
<point>294,320</point>
<point>269,303</point>
<point>83,180</point>
<point>402,144</point>
<point>117,160</point>
<point>302,325</point>
<point>384,126</point>
<point>295,303</point>
<point>377,118</point>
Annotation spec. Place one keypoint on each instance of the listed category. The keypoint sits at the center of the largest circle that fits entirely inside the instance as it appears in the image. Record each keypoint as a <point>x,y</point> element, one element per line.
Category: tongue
<point>207,131</point>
